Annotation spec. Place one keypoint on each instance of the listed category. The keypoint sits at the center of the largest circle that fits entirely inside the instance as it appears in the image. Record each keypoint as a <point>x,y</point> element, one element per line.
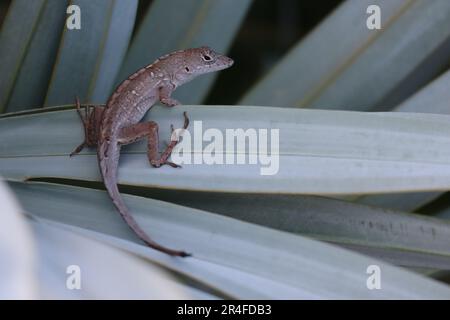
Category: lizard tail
<point>108,156</point>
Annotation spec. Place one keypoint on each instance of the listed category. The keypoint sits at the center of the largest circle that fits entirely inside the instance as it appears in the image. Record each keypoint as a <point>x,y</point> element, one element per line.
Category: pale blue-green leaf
<point>433,98</point>
<point>34,259</point>
<point>105,272</point>
<point>226,281</point>
<point>89,59</point>
<point>179,24</point>
<point>320,152</point>
<point>314,269</point>
<point>344,65</point>
<point>17,261</point>
<point>399,238</point>
<point>32,80</point>
<point>14,41</point>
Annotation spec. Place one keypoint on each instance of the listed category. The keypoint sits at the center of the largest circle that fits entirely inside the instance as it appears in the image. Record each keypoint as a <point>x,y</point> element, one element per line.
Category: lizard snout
<point>224,62</point>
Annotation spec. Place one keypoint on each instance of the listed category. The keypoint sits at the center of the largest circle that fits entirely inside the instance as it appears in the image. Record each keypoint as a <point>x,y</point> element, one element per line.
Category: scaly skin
<point>118,123</point>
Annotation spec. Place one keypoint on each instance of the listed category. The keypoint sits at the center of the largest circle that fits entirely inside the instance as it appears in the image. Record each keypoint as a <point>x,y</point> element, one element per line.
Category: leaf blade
<point>321,152</point>
<point>12,44</point>
<point>32,79</point>
<point>359,74</point>
<point>89,59</point>
<point>399,238</point>
<point>290,260</point>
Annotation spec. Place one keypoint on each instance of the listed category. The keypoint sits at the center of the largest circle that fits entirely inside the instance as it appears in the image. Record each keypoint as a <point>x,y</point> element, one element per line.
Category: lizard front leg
<point>165,98</point>
<point>150,131</point>
<point>91,123</point>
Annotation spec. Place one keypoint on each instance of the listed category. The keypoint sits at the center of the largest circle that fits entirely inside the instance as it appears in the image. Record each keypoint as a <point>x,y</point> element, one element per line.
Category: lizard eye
<point>187,69</point>
<point>206,57</point>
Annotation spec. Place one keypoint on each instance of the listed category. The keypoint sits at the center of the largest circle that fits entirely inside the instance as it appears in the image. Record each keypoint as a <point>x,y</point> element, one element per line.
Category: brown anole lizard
<point>119,122</point>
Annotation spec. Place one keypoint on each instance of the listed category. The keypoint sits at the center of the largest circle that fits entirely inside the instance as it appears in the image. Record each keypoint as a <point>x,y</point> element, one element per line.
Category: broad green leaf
<point>311,268</point>
<point>31,83</point>
<point>14,41</point>
<point>171,25</point>
<point>320,152</point>
<point>89,59</point>
<point>344,65</point>
<point>399,238</point>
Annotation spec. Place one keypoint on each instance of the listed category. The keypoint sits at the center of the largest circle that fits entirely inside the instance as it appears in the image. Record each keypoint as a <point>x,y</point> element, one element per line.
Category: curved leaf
<point>344,65</point>
<point>433,98</point>
<point>17,259</point>
<point>89,59</point>
<point>14,41</point>
<point>106,273</point>
<point>31,84</point>
<point>399,238</point>
<point>321,152</point>
<point>313,269</point>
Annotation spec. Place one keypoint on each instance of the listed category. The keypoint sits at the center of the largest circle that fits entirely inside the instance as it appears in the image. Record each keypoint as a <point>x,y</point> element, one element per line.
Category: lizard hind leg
<point>150,131</point>
<point>91,124</point>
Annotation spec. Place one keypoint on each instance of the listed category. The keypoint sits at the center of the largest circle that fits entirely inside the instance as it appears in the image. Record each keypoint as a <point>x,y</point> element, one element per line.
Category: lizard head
<point>197,61</point>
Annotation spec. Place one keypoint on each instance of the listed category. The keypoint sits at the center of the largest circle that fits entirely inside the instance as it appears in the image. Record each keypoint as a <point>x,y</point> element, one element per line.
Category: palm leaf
<point>400,238</point>
<point>58,248</point>
<point>433,98</point>
<point>321,152</point>
<point>312,269</point>
<point>88,59</point>
<point>14,41</point>
<point>252,235</point>
<point>361,71</point>
<point>31,82</point>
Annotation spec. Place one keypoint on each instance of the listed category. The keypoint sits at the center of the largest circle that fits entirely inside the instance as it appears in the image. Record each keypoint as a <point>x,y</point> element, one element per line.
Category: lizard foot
<point>169,147</point>
<point>84,120</point>
<point>91,123</point>
<point>159,163</point>
<point>170,102</point>
<point>77,149</point>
